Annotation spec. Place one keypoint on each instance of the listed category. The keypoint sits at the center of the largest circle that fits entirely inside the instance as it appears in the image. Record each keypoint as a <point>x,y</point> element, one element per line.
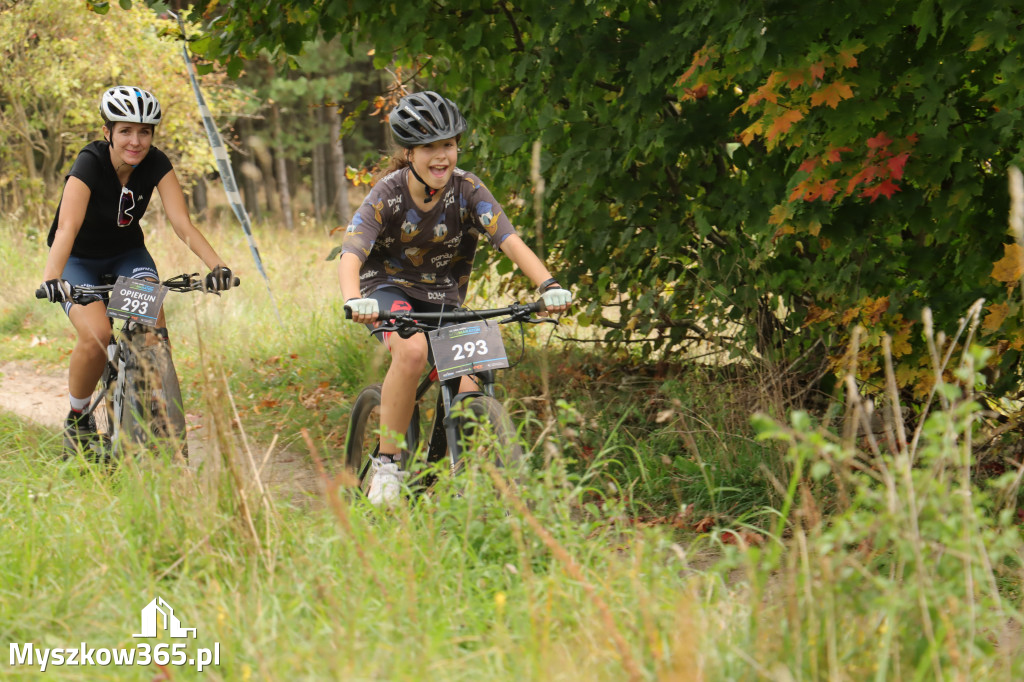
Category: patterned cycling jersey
<point>428,255</point>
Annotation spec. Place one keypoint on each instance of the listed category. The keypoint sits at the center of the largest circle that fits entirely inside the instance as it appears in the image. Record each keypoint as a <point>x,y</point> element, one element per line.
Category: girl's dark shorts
<point>391,299</point>
<point>136,263</point>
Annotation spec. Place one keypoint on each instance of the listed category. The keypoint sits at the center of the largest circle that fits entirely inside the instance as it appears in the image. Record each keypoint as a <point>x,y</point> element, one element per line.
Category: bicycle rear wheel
<point>489,430</point>
<point>154,412</point>
<point>363,439</point>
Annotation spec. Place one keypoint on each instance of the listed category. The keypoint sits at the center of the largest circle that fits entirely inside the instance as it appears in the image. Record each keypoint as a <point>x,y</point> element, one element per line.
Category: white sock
<point>79,404</point>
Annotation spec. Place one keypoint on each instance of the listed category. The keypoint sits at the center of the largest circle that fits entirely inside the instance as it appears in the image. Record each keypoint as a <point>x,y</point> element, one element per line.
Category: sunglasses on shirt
<point>124,208</point>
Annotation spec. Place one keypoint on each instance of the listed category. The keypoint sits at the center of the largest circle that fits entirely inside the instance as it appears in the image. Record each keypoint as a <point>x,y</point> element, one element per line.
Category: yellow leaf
<point>997,312</point>
<point>816,314</point>
<point>980,42</point>
<point>752,131</point>
<point>901,341</point>
<point>874,309</point>
<point>1010,267</point>
<point>780,214</point>
<point>832,94</point>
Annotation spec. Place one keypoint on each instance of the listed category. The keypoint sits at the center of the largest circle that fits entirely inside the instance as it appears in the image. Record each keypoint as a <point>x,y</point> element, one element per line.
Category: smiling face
<point>130,142</point>
<point>435,162</point>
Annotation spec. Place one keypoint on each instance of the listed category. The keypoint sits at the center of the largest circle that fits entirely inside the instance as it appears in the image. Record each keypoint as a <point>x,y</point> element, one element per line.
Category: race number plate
<point>467,348</point>
<point>137,300</point>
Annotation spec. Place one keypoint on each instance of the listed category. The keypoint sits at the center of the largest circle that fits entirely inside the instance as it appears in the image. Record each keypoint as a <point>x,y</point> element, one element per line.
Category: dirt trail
<point>42,397</point>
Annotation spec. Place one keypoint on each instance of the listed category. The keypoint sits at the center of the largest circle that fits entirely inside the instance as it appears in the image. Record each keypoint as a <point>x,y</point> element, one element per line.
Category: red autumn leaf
<point>699,92</point>
<point>865,175</point>
<point>809,165</point>
<point>705,524</point>
<point>896,165</point>
<point>794,79</point>
<point>700,58</point>
<point>879,141</point>
<point>832,94</point>
<point>783,123</point>
<point>743,537</point>
<point>886,188</point>
<point>832,155</point>
<point>799,191</point>
<point>818,70</point>
<point>764,93</point>
<point>829,189</point>
<point>847,58</point>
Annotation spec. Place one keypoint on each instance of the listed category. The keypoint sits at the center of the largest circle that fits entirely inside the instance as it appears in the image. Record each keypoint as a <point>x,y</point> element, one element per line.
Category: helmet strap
<point>430,190</point>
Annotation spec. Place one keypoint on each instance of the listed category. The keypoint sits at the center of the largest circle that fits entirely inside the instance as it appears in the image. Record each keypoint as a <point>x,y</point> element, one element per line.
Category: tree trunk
<point>265,166</point>
<point>338,163</point>
<point>250,192</point>
<point>282,171</point>
<point>318,179</point>
<point>199,198</point>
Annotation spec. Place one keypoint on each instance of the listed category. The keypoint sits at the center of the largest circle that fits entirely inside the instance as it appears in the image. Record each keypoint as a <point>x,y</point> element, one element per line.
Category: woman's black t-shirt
<point>101,235</point>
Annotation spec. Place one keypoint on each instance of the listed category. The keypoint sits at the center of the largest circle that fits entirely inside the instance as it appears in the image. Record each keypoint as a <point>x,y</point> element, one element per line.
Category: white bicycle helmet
<point>425,117</point>
<point>130,104</point>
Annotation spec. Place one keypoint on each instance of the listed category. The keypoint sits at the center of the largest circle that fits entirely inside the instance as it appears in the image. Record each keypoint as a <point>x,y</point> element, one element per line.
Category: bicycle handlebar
<point>88,293</point>
<point>409,321</point>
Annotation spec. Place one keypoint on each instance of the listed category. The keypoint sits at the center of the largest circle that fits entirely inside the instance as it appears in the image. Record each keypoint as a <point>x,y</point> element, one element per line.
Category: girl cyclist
<point>410,246</point>
<point>96,231</point>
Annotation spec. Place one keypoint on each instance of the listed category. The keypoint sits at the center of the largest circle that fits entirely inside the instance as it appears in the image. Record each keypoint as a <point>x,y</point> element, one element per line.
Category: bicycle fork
<point>448,400</point>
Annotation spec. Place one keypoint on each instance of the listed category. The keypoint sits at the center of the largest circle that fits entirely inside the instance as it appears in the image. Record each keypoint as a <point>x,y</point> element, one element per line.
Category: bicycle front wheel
<point>154,412</point>
<point>363,440</point>
<point>487,430</point>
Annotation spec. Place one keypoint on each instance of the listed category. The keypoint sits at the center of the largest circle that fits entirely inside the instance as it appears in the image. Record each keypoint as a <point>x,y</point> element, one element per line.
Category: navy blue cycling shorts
<point>136,263</point>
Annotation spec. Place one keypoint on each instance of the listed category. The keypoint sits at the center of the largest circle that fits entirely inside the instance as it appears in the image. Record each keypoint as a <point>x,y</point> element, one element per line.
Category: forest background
<point>751,181</point>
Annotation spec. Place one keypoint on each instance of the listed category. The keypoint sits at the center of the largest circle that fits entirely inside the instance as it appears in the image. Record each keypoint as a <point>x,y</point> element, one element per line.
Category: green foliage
<point>708,164</point>
<point>58,60</point>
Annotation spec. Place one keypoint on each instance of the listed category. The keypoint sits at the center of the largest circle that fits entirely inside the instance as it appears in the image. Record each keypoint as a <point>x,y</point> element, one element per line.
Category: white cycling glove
<point>362,306</point>
<point>556,297</point>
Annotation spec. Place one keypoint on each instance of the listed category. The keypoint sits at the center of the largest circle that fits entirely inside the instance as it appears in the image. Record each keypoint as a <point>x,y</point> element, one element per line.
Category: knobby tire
<point>364,434</point>
<point>153,408</point>
<point>503,450</point>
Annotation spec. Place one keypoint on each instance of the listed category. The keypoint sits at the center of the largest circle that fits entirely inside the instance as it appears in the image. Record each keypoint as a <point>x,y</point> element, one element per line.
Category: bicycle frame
<point>447,398</point>
<point>139,383</point>
<point>445,428</point>
<point>120,354</point>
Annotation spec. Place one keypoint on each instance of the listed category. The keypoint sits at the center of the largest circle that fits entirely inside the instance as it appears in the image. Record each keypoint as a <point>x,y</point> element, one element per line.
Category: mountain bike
<point>461,342</point>
<point>139,398</point>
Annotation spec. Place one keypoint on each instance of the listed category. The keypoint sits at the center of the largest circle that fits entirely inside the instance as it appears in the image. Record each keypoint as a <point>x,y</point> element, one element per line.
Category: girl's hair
<point>397,159</point>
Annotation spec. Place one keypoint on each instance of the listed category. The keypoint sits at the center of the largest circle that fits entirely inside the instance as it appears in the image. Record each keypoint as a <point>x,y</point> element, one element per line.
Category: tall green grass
<point>825,558</point>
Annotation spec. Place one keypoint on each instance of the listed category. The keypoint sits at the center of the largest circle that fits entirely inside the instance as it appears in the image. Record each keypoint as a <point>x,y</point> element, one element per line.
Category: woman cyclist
<point>410,246</point>
<point>96,231</point>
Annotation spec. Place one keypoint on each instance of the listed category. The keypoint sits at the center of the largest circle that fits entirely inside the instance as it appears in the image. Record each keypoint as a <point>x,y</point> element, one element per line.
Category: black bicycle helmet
<point>425,117</point>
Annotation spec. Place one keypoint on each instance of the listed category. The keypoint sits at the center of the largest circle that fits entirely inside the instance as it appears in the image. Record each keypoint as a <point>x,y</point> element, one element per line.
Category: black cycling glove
<point>57,290</point>
<point>219,279</point>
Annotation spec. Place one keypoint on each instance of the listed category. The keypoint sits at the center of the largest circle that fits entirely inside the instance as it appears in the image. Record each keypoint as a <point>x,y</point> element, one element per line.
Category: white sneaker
<point>386,484</point>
